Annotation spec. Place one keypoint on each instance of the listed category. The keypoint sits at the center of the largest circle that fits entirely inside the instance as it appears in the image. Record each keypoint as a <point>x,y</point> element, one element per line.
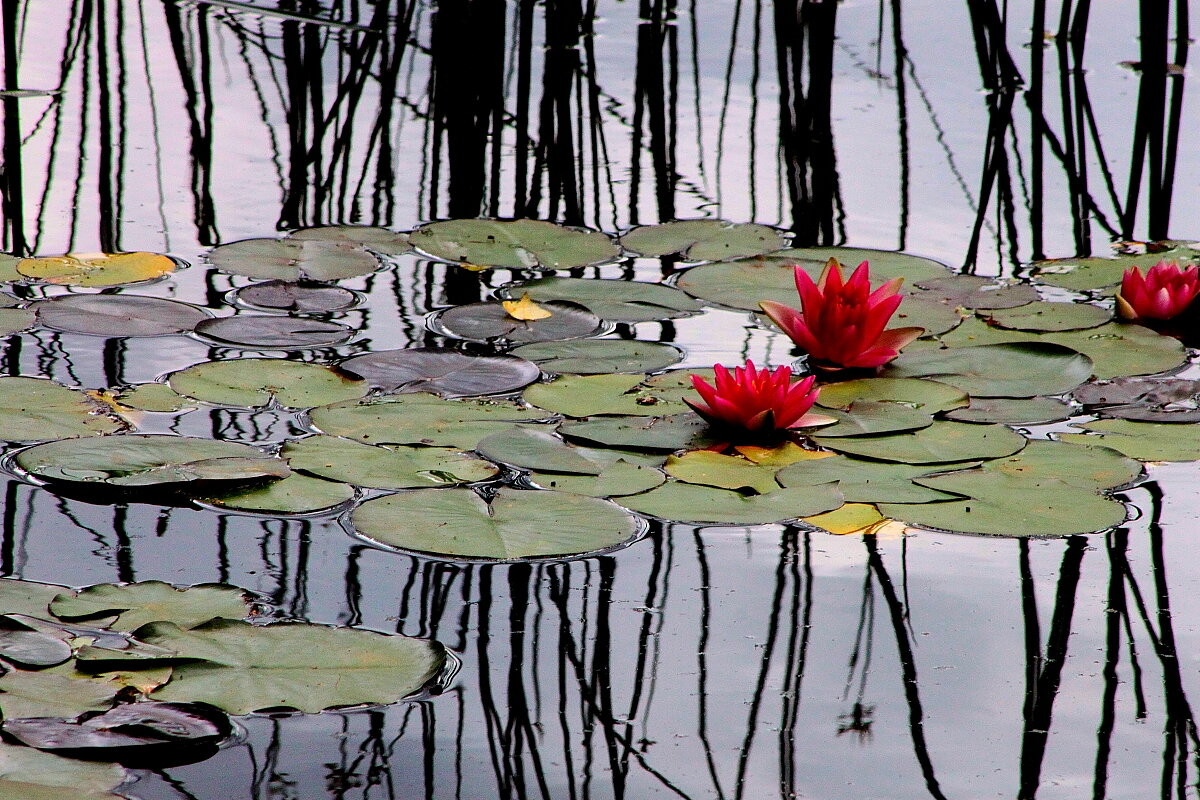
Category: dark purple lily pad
<point>288,296</point>
<point>488,322</point>
<point>1144,399</point>
<point>117,315</point>
<point>448,373</point>
<point>274,332</point>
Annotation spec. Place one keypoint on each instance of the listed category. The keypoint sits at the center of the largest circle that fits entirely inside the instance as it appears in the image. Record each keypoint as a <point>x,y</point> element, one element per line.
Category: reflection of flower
<point>841,323</point>
<point>1164,292</point>
<point>758,401</point>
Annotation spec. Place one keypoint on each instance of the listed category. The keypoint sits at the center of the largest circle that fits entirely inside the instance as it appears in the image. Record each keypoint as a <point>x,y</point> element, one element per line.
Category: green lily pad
<point>28,774</point>
<point>273,332</point>
<point>885,264</point>
<point>297,297</point>
<point>97,269</point>
<point>703,239</point>
<point>934,316</point>
<point>27,597</point>
<point>154,397</point>
<point>924,395</point>
<point>863,481</point>
<point>137,604</point>
<point>458,523</point>
<point>15,320</point>
<point>531,448</point>
<point>27,648</point>
<point>869,417</point>
<point>56,692</point>
<point>972,291</point>
<point>1013,410</point>
<point>1019,369</point>
<point>442,371</point>
<point>43,409</point>
<point>705,468</point>
<point>147,460</point>
<point>687,502</point>
<point>117,315</point>
<point>293,259</point>
<point>1046,316</point>
<point>385,467</point>
<point>1087,274</point>
<point>8,268</point>
<point>1145,441</point>
<point>594,395</point>
<point>241,668</point>
<point>295,494</point>
<point>655,434</point>
<point>615,300</point>
<point>487,322</point>
<point>599,356</point>
<point>1087,465</point>
<point>420,419</point>
<point>255,382</point>
<point>380,240</point>
<point>517,244</point>
<point>622,478</point>
<point>941,442</point>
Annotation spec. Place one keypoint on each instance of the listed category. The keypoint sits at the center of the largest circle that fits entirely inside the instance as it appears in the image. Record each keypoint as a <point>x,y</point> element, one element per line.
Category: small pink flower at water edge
<point>1164,292</point>
<point>756,401</point>
<point>841,323</point>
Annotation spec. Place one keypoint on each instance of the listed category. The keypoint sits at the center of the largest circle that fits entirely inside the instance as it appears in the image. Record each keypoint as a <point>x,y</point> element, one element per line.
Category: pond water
<point>699,661</point>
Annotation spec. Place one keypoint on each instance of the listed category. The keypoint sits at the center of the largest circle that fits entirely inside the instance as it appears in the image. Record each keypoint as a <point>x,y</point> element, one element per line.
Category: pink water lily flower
<point>1164,292</point>
<point>841,323</point>
<point>754,400</point>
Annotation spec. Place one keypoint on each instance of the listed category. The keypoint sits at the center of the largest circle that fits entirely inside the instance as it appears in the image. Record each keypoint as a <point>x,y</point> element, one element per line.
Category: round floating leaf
<point>592,395</point>
<point>97,269</point>
<point>863,481</point>
<point>935,317</point>
<point>941,442</point>
<point>657,434</point>
<point>597,356</point>
<point>532,448</point>
<point>686,502</point>
<point>136,604</point>
<point>867,417</point>
<point>442,371</point>
<point>117,315</point>
<point>1144,399</point>
<point>622,478</point>
<point>243,668</point>
<point>28,774</point>
<point>255,382</point>
<point>1087,465</point>
<point>706,468</point>
<point>145,460</point>
<point>34,409</point>
<point>1018,369</point>
<point>486,322</point>
<point>616,300</point>
<point>741,284</point>
<point>263,332</point>
<point>458,523</point>
<point>293,259</point>
<point>885,264</point>
<point>779,455</point>
<point>295,494</point>
<point>1086,274</point>
<point>1013,410</point>
<point>420,419</point>
<point>30,649</point>
<point>55,692</point>
<point>518,244</point>
<point>287,296</point>
<point>381,240</point>
<point>703,239</point>
<point>1145,441</point>
<point>378,467</point>
<point>971,291</point>
<point>8,268</point>
<point>15,320</point>
<point>1045,316</point>
<point>154,397</point>
<point>27,597</point>
<point>850,518</point>
<point>928,396</point>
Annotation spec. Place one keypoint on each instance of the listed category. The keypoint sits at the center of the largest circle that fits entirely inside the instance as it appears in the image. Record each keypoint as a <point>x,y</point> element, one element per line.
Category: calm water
<point>711,662</point>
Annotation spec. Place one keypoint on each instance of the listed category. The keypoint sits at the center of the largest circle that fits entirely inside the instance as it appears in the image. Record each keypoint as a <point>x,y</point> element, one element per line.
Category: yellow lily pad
<point>97,269</point>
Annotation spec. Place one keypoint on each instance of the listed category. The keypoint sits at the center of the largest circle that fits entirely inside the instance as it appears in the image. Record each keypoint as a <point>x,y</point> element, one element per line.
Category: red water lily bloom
<point>1164,292</point>
<point>755,400</point>
<point>841,323</point>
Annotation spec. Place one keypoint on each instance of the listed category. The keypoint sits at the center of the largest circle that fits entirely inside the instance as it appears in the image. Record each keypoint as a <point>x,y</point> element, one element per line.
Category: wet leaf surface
<point>136,604</point>
<point>381,240</point>
<point>488,322</point>
<point>1019,369</point>
<point>255,382</point>
<point>615,300</point>
<point>293,259</point>
<point>700,504</point>
<point>702,239</point>
<point>385,467</point>
<point>442,371</point>
<point>301,298</point>
<point>117,315</point>
<point>941,442</point>
<point>33,409</point>
<point>518,244</point>
<point>600,356</point>
<point>273,332</point>
<point>97,270</point>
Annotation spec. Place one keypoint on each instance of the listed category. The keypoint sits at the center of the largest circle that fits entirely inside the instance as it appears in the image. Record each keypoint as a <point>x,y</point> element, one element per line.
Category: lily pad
<point>850,518</point>
<point>154,397</point>
<point>924,395</point>
<point>517,244</point>
<point>28,774</point>
<point>31,649</point>
<point>598,356</point>
<point>491,322</point>
<point>33,409</point>
<point>136,604</point>
<point>940,443</point>
<point>298,297</point>
<point>255,382</point>
<point>1144,399</point>
<point>8,268</point>
<point>1087,274</point>
<point>27,597</point>
<point>117,315</point>
<point>1045,316</point>
<point>56,692</point>
<point>1019,369</point>
<point>146,460</point>
<point>532,448</point>
<point>458,523</point>
<point>1145,441</point>
<point>293,259</point>
<point>686,502</point>
<point>1087,465</point>
<point>593,395</point>
<point>442,371</point>
<point>295,494</point>
<point>972,291</point>
<point>615,300</point>
<point>869,417</point>
<point>385,467</point>
<point>240,668</point>
<point>655,434</point>
<point>622,478</point>
<point>1013,410</point>
<point>97,269</point>
<point>863,481</point>
<point>705,468</point>
<point>380,240</point>
<point>703,239</point>
<point>15,320</point>
<point>262,332</point>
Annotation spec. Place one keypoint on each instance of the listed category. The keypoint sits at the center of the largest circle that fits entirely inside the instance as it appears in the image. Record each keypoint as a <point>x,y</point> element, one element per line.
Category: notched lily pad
<point>535,448</point>
<point>1145,441</point>
<point>97,269</point>
<point>385,467</point>
<point>941,442</point>
<point>297,297</point>
<point>599,356</point>
<point>136,604</point>
<point>862,481</point>
<point>517,244</point>
<point>1018,369</point>
<point>117,315</point>
<point>1013,410</point>
<point>869,417</point>
<point>295,494</point>
<point>255,382</point>
<point>615,300</point>
<point>29,648</point>
<point>972,291</point>
<point>593,395</point>
<point>491,322</point>
<point>1046,316</point>
<point>442,371</point>
<point>1087,274</point>
<point>35,409</point>
<point>1144,399</point>
<point>622,478</point>
<point>655,434</point>
<point>703,239</point>
<point>154,397</point>
<point>15,320</point>
<point>705,468</point>
<point>381,240</point>
<point>923,395</point>
<point>293,259</point>
<point>263,332</point>
<point>706,504</point>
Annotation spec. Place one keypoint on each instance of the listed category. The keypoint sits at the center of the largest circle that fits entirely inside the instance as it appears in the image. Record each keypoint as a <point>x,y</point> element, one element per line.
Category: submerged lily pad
<point>146,460</point>
<point>616,300</point>
<point>295,494</point>
<point>97,269</point>
<point>293,259</point>
<point>1046,316</point>
<point>136,604</point>
<point>240,668</point>
<point>33,409</point>
<point>487,322</point>
<point>380,467</point>
<point>1145,441</point>
<point>517,244</point>
<point>1013,410</point>
<point>598,356</point>
<point>703,239</point>
<point>458,523</point>
<point>381,240</point>
<point>288,296</point>
<point>592,395</point>
<point>686,502</point>
<point>117,315</point>
<point>255,382</point>
<point>941,442</point>
<point>924,395</point>
<point>442,371</point>
<point>1019,369</point>
<point>263,332</point>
